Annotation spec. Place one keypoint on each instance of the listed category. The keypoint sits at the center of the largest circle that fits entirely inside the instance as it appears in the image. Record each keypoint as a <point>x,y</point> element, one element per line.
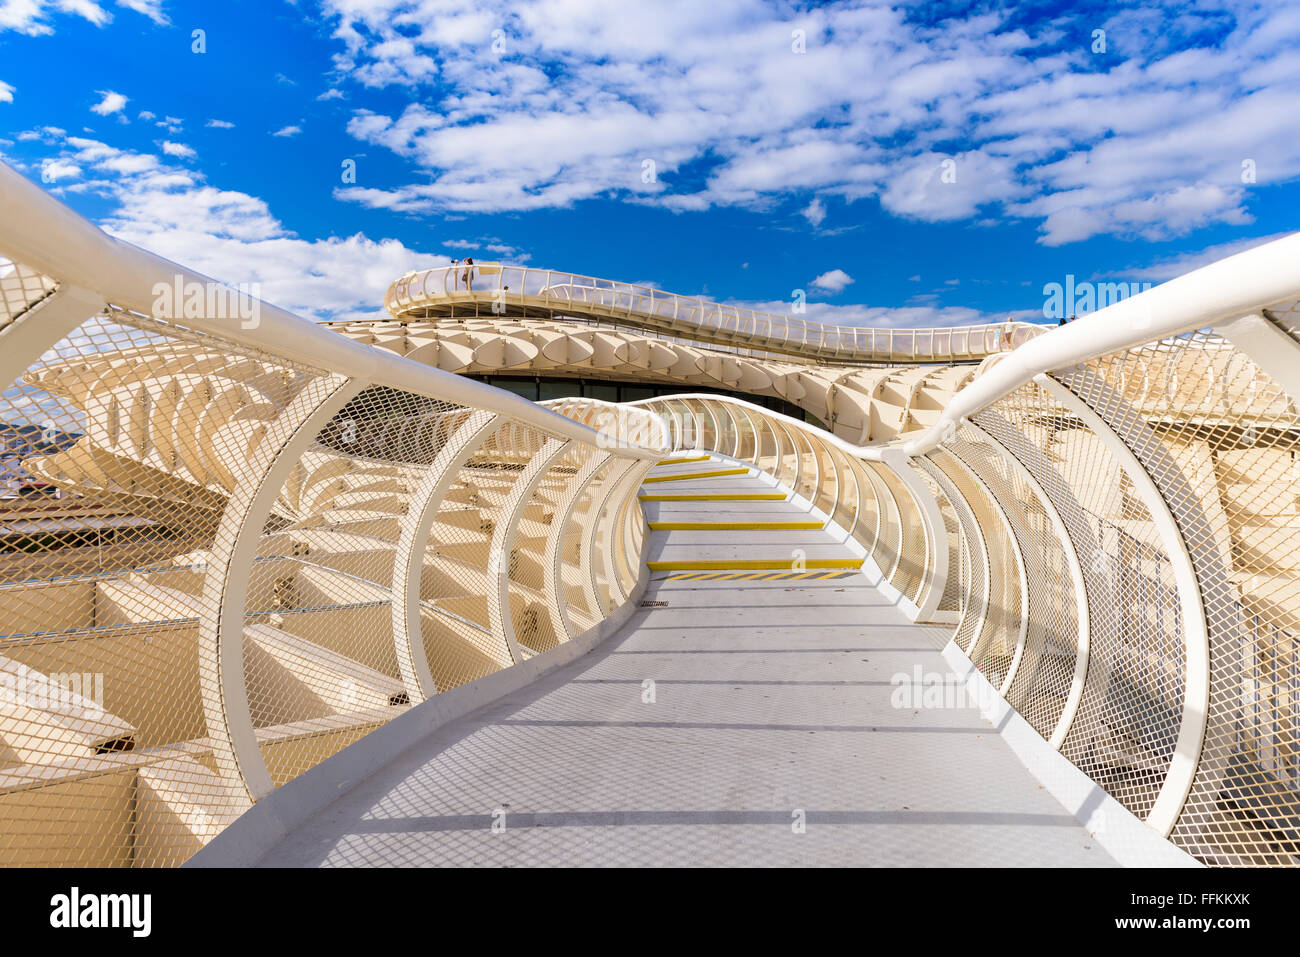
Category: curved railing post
<point>936,540</point>
<point>1206,597</point>
<point>1064,514</point>
<point>412,542</point>
<point>225,581</point>
<point>973,601</point>
<point>625,494</point>
<point>500,620</point>
<point>554,581</point>
<point>592,524</point>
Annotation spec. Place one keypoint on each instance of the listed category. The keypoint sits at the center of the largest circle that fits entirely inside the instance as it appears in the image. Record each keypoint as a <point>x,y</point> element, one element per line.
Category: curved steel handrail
<point>62,244</point>
<point>497,289</point>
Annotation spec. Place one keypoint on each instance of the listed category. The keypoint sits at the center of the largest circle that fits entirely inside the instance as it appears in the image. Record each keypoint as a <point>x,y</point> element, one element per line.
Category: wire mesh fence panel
<point>169,495</point>
<point>1286,316</point>
<point>319,656</point>
<point>1004,642</point>
<point>913,551</point>
<point>996,637</point>
<point>949,539</point>
<point>125,440</point>
<point>747,446</point>
<point>808,485</point>
<point>848,505</point>
<point>1221,443</point>
<point>867,530</point>
<point>888,544</point>
<point>1047,682</point>
<point>828,488</point>
<point>630,526</point>
<point>21,287</point>
<point>529,612</point>
<point>575,568</point>
<point>1125,730</point>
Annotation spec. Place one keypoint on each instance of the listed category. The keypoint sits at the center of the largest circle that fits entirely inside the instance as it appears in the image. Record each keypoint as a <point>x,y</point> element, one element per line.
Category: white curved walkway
<point>771,706</point>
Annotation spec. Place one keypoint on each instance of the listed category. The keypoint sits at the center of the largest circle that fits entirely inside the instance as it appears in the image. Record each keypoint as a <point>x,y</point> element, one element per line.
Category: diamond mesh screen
<point>163,488</point>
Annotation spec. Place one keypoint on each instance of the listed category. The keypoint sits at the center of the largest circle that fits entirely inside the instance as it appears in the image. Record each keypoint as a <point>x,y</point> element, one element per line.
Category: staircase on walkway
<point>743,715</point>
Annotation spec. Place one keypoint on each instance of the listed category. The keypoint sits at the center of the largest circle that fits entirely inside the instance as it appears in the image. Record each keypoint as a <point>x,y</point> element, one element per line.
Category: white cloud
<point>46,134</point>
<point>497,247</point>
<point>814,212</point>
<point>178,149</point>
<point>288,131</point>
<point>54,170</point>
<point>1148,143</point>
<point>1171,267</point>
<point>32,17</point>
<point>220,125</point>
<point>150,8</point>
<point>904,317</point>
<point>234,237</point>
<point>837,280</point>
<point>332,94</point>
<point>6,92</point>
<point>111,103</point>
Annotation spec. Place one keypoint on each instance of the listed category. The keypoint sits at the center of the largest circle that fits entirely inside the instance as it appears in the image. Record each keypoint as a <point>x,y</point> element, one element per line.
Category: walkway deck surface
<point>771,705</point>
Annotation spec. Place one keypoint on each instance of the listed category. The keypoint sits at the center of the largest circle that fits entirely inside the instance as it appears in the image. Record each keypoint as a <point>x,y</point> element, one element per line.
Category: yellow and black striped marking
<point>757,576</point>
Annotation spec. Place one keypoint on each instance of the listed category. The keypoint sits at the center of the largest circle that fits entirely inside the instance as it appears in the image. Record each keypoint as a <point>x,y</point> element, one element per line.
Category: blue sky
<point>913,165</point>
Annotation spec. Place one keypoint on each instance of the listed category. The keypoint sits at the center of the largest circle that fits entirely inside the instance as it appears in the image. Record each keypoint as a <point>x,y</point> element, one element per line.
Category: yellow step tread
<point>685,476</point>
<point>744,564</point>
<point>734,526</point>
<point>717,497</point>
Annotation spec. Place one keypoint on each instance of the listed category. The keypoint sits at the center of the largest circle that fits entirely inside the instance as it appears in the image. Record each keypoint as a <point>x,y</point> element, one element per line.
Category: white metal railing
<point>286,537</point>
<point>1118,524</point>
<point>49,237</point>
<point>873,494</point>
<point>270,541</point>
<point>1215,294</point>
<point>496,289</point>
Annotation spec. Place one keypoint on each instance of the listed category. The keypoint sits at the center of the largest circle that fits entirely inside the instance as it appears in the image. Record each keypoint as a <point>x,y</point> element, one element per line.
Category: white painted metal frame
<point>500,619</point>
<point>1196,642</point>
<point>1082,598</point>
<point>1004,516</point>
<point>225,580</point>
<point>553,561</point>
<point>412,542</point>
<point>543,292</point>
<point>936,542</point>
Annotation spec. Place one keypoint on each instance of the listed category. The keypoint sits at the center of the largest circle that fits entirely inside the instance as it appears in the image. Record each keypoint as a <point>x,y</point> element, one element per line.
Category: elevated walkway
<point>741,716</point>
<point>499,291</point>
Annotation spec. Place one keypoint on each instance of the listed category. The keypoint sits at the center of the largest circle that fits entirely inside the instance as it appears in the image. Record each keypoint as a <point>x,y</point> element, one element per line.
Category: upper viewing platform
<point>498,289</point>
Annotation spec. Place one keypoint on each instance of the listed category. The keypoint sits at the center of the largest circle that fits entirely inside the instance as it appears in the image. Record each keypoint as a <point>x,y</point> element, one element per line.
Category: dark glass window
<point>525,387</point>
